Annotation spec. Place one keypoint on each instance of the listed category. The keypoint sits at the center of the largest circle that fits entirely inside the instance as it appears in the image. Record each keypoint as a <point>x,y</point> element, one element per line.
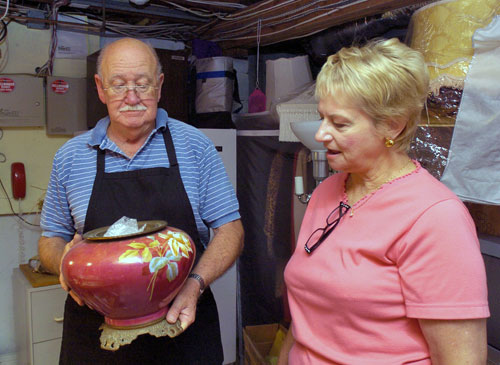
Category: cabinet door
<point>47,308</point>
<point>47,353</point>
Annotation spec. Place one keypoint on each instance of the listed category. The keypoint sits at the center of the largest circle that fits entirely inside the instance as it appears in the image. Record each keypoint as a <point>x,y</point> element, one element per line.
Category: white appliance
<point>225,287</point>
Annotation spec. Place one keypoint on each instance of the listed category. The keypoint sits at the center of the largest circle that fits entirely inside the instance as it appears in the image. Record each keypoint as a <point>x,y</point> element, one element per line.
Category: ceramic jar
<point>125,279</point>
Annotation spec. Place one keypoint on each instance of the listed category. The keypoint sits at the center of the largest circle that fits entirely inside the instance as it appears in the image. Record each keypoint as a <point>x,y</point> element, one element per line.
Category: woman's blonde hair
<point>385,78</point>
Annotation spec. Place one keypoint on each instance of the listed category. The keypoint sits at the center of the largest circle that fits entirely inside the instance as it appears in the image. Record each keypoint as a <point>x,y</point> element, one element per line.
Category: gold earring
<point>389,142</point>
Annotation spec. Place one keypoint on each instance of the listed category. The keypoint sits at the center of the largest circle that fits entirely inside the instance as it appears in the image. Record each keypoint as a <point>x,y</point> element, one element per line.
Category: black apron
<point>147,194</point>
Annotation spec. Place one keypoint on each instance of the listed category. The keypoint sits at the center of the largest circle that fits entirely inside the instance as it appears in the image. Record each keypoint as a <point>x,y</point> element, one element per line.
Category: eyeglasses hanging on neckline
<point>326,230</point>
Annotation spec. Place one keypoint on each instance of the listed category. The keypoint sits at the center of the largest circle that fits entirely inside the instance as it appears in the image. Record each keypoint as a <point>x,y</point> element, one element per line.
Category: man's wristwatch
<point>199,279</point>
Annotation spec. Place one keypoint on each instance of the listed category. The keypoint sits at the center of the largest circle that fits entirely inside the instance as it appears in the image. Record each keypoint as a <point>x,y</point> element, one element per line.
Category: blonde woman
<point>387,269</point>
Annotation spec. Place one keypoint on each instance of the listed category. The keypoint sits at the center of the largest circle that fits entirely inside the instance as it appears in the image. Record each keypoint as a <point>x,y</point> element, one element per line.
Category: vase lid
<point>150,227</point>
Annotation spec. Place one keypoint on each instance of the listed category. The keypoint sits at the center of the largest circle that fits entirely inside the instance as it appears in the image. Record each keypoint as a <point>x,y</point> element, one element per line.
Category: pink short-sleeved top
<point>409,251</point>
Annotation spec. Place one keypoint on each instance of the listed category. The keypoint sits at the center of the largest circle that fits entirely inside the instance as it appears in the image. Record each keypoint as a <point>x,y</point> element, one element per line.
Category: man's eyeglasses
<point>314,241</point>
<point>142,90</point>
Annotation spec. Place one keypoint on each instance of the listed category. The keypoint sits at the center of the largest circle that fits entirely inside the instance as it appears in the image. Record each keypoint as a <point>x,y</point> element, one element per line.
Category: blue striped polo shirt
<point>209,190</point>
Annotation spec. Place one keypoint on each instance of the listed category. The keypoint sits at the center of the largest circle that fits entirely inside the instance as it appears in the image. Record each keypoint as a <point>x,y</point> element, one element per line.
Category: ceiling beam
<point>150,11</point>
<point>69,25</point>
<point>283,20</point>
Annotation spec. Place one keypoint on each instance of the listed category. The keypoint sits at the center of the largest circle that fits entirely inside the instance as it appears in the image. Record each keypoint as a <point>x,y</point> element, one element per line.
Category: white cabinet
<point>225,287</point>
<point>38,314</point>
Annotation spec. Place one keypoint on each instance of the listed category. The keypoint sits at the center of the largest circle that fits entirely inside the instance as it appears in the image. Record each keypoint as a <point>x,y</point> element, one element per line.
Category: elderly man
<point>95,181</point>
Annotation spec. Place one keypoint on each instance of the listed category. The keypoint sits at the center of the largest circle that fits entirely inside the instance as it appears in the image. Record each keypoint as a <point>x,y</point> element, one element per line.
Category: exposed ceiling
<point>233,24</point>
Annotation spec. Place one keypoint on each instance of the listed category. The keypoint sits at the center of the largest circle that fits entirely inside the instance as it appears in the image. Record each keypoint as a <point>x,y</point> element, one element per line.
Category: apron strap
<point>169,143</point>
<point>101,162</point>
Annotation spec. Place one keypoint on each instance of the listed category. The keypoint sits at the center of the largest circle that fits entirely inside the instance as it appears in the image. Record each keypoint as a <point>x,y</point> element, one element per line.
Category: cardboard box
<point>486,218</point>
<point>258,342</point>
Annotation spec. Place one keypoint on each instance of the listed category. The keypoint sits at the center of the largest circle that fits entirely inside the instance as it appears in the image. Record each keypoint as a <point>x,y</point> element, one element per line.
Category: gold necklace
<point>365,198</point>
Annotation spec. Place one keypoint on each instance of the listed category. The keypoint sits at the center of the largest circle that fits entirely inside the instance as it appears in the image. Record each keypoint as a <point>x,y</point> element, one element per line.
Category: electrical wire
<point>6,10</point>
<point>202,13</point>
<point>219,3</point>
<point>53,46</point>
<point>182,32</point>
<point>20,236</point>
<point>12,209</point>
<point>161,29</point>
<point>259,27</point>
<point>253,11</point>
<point>3,31</point>
<point>289,16</point>
<point>247,13</point>
<point>3,158</point>
<point>7,195</point>
<point>47,67</point>
<point>19,9</point>
<point>199,12</point>
<point>243,31</point>
<point>4,54</point>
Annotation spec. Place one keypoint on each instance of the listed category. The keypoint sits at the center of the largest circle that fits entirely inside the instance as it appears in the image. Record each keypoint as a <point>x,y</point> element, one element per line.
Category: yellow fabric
<point>443,32</point>
<point>278,342</point>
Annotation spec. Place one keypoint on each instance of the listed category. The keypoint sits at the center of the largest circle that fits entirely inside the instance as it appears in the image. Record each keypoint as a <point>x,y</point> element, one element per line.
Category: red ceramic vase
<point>126,279</point>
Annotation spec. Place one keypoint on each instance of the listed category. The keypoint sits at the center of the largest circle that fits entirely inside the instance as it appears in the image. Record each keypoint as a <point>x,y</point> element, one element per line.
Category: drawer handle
<point>58,319</point>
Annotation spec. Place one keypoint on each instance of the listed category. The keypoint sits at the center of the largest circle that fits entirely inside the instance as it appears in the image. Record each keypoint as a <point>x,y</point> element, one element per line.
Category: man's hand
<point>76,240</point>
<point>183,307</point>
<point>220,254</point>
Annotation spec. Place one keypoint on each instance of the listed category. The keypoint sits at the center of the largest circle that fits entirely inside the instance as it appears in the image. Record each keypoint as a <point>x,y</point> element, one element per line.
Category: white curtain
<point>473,169</point>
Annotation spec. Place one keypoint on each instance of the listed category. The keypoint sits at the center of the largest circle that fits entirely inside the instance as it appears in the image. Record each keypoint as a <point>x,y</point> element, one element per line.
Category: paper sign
<point>60,86</point>
<point>71,44</point>
<point>6,85</point>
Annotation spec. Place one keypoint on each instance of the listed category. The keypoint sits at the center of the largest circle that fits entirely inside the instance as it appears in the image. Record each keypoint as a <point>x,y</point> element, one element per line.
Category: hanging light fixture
<point>139,2</point>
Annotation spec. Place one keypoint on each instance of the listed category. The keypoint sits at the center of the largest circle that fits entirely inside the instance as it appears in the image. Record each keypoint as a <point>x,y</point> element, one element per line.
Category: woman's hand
<point>456,342</point>
<point>76,240</point>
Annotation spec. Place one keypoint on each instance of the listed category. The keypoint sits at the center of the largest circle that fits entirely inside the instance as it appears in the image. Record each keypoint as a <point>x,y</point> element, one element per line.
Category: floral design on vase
<point>163,252</point>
